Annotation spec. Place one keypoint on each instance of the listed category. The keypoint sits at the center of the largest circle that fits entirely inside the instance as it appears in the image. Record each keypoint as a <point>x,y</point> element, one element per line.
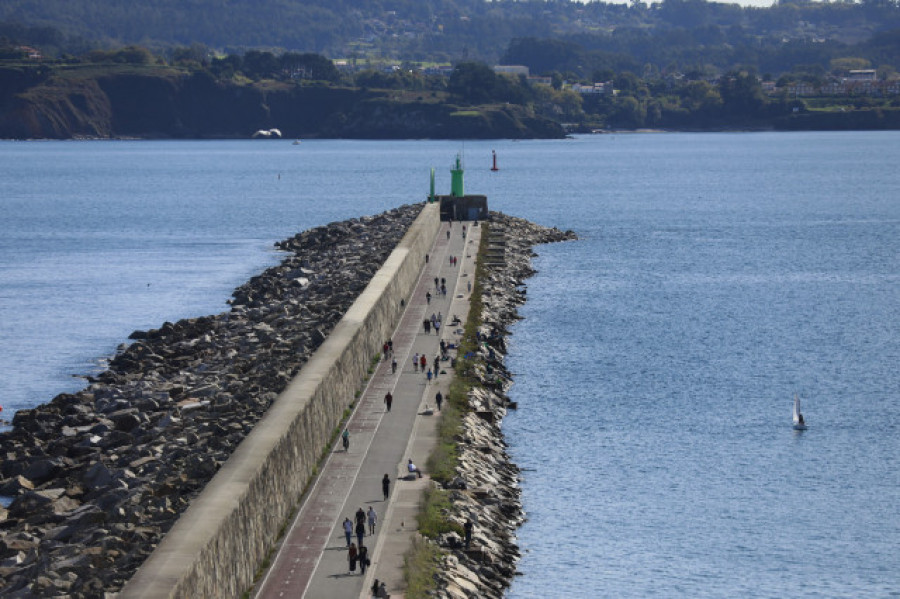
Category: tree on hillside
<point>128,54</point>
<point>742,94</point>
<point>700,96</point>
<point>226,67</point>
<point>473,82</point>
<point>309,66</point>
<point>260,65</point>
<point>194,55</point>
<point>542,55</point>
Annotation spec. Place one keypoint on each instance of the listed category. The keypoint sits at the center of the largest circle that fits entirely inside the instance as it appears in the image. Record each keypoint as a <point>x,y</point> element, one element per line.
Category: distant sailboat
<point>799,424</point>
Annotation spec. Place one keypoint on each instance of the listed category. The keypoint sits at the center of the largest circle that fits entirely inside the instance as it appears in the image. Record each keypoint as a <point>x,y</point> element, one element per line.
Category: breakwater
<point>100,476</point>
<point>485,490</point>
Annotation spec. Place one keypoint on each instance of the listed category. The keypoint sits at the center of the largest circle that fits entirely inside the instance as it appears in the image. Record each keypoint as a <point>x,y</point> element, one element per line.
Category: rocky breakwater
<point>485,490</point>
<point>98,477</point>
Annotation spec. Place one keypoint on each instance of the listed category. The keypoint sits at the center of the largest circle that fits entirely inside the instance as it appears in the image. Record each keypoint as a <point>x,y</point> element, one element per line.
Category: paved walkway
<point>312,560</point>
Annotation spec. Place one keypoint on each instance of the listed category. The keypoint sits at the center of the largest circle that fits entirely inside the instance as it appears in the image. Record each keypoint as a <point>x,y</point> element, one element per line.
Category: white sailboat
<point>799,424</point>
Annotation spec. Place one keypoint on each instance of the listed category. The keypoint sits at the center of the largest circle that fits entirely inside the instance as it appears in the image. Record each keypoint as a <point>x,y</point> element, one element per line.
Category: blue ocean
<point>716,276</point>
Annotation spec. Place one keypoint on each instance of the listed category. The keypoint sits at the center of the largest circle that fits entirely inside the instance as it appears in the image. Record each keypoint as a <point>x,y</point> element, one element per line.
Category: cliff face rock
<point>99,476</point>
<point>166,103</point>
<point>142,106</point>
<point>57,110</point>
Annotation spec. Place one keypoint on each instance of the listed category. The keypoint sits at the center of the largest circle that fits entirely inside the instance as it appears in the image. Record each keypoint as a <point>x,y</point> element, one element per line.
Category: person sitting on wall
<point>413,469</point>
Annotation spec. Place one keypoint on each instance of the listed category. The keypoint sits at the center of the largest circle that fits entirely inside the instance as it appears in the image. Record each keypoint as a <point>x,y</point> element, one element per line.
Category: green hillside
<point>680,34</point>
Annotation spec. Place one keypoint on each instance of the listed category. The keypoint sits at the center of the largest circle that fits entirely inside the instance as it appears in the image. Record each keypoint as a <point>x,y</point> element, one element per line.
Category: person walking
<point>428,297</point>
<point>385,488</point>
<point>423,362</point>
<point>361,530</point>
<point>416,362</point>
<point>352,554</point>
<point>428,375</point>
<point>363,559</point>
<point>467,527</point>
<point>373,518</point>
<point>437,327</point>
<point>394,366</point>
<point>388,400</point>
<point>439,399</point>
<point>345,439</point>
<point>348,530</point>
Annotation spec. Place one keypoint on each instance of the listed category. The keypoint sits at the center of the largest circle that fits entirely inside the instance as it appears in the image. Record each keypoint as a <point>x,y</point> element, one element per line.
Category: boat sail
<point>799,424</point>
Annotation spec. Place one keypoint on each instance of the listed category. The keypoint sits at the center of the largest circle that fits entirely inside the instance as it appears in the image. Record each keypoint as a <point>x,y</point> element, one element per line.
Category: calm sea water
<point>716,276</point>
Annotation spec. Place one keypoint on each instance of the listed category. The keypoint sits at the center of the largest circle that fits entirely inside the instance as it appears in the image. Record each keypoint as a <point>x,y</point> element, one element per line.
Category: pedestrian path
<point>312,560</point>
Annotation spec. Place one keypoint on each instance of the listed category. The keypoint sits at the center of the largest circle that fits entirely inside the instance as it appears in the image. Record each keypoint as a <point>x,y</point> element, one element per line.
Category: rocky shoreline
<point>486,489</point>
<point>99,476</point>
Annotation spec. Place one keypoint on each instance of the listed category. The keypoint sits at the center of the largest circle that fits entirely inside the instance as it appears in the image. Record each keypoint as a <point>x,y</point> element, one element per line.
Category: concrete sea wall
<point>215,548</point>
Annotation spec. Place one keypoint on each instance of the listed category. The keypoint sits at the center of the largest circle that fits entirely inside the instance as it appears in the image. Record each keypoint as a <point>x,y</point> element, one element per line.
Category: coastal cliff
<point>163,102</point>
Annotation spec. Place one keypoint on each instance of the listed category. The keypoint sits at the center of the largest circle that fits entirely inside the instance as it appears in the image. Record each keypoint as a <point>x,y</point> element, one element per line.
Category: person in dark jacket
<point>352,555</point>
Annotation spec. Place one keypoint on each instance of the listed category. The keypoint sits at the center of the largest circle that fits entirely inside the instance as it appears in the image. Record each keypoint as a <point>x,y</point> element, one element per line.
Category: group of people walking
<point>359,554</point>
<point>420,361</point>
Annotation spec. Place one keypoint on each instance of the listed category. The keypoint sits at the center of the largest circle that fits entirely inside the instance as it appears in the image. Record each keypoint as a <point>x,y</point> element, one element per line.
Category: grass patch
<point>466,113</point>
<point>432,518</point>
<point>442,462</point>
<point>419,567</point>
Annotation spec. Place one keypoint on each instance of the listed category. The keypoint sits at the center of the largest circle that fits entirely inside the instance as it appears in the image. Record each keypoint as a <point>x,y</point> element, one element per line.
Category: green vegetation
<point>676,64</point>
<point>419,567</point>
<point>432,519</point>
<point>580,37</point>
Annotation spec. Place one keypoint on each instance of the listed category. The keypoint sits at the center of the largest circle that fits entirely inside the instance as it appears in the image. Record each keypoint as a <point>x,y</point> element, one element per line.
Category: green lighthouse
<point>458,206</point>
<point>456,179</point>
